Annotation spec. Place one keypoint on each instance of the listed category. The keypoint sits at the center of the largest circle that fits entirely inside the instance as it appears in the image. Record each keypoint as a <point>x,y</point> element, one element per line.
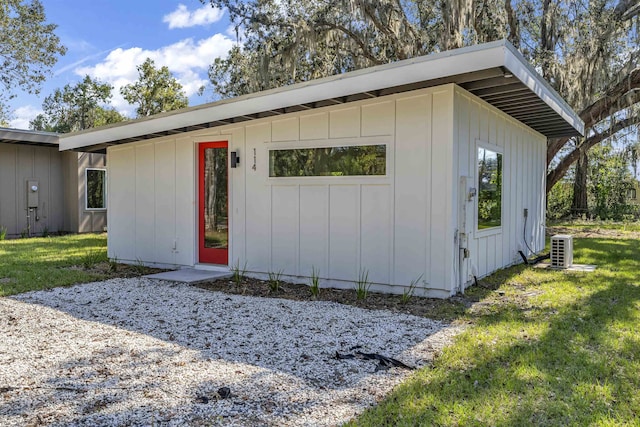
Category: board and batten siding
<point>396,227</point>
<point>79,219</point>
<point>19,163</point>
<point>524,167</point>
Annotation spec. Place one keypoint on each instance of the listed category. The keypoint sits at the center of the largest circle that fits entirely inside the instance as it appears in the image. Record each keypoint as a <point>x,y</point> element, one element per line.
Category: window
<point>631,194</point>
<point>356,160</point>
<point>489,188</point>
<point>96,194</point>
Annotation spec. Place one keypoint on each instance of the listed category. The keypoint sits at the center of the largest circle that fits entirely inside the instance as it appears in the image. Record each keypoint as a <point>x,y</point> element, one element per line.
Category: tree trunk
<point>579,206</point>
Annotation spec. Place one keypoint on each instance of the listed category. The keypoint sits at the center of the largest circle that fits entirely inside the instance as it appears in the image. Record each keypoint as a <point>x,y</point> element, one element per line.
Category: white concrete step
<point>190,275</point>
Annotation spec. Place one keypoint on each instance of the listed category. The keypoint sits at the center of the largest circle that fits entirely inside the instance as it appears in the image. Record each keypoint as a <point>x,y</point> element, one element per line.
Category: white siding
<point>165,204</point>
<point>344,232</point>
<point>151,190</point>
<point>412,205</point>
<point>344,122</point>
<point>376,231</point>
<point>398,227</point>
<point>523,181</point>
<point>314,126</point>
<point>145,224</point>
<point>121,209</point>
<point>258,199</point>
<point>284,228</point>
<point>314,229</point>
<point>184,222</point>
<point>442,192</point>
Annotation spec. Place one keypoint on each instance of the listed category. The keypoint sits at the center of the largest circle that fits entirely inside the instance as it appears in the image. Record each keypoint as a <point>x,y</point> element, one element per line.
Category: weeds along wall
<point>397,227</point>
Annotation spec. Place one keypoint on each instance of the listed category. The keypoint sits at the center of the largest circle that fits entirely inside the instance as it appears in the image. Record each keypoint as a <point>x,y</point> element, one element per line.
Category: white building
<point>429,170</point>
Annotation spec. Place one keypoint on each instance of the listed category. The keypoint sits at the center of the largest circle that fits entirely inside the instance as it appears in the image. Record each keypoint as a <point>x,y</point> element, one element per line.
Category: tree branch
<point>622,95</point>
<point>513,24</point>
<point>626,9</point>
<point>559,171</point>
<point>358,40</point>
<point>369,12</point>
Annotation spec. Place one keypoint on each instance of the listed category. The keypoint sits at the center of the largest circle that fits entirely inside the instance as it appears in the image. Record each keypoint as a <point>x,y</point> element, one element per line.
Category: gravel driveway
<point>141,352</point>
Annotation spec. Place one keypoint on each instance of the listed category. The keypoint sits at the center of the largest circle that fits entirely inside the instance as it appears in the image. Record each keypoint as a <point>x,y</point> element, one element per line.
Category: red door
<point>213,203</point>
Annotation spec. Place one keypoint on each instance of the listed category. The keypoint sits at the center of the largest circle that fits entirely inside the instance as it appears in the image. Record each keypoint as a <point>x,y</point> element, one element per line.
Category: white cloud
<point>80,61</point>
<point>183,18</point>
<point>187,59</point>
<point>23,115</point>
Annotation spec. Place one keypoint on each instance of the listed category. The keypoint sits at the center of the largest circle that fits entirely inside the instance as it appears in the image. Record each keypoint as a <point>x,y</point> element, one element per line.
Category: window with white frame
<point>489,188</point>
<point>96,189</point>
<point>351,160</point>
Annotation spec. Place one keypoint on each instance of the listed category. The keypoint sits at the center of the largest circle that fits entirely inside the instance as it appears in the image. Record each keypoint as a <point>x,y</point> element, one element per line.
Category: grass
<point>238,272</point>
<point>113,264</point>
<point>407,293</point>
<point>586,225</point>
<point>362,285</point>
<point>542,348</point>
<point>314,284</point>
<point>93,257</point>
<point>275,280</point>
<point>45,262</point>
<point>139,266</point>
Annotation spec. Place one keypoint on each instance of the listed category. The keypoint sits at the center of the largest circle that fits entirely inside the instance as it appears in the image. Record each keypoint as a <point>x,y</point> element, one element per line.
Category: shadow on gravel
<point>148,351</point>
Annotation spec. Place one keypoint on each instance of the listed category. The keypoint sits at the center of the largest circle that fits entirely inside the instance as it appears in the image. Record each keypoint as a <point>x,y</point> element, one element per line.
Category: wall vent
<point>561,251</point>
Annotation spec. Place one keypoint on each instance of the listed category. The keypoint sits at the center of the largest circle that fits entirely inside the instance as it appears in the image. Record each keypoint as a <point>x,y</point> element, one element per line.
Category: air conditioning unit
<point>561,251</point>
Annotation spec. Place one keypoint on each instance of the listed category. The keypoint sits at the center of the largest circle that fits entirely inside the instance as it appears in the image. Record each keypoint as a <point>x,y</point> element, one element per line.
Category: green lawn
<point>584,225</point>
<point>543,348</point>
<point>41,263</point>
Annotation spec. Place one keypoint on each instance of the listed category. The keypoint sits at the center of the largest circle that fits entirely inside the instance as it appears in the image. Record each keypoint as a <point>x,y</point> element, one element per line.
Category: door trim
<point>211,256</point>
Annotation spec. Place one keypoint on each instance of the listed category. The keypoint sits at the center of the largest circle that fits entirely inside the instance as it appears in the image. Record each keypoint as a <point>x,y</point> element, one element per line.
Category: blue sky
<point>107,39</point>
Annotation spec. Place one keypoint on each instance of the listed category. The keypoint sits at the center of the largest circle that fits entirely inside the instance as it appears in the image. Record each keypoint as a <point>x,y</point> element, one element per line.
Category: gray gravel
<point>141,352</point>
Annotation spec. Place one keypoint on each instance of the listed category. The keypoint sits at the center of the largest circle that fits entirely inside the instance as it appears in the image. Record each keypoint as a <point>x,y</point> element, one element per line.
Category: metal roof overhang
<point>28,137</point>
<point>495,72</point>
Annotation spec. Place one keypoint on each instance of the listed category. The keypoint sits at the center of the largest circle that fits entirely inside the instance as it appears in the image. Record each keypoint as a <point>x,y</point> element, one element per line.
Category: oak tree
<point>588,50</point>
<point>83,105</point>
<point>28,48</point>
<point>156,90</point>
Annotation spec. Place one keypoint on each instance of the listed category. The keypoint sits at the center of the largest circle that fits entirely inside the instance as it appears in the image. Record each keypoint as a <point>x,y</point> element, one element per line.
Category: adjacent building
<point>44,190</point>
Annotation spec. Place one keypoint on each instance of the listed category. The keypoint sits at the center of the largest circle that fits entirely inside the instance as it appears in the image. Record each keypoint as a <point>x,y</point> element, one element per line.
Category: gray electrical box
<point>33,190</point>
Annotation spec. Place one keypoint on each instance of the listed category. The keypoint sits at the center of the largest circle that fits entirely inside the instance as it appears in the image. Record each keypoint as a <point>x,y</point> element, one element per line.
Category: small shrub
<point>315,282</point>
<point>407,294</point>
<point>362,285</point>
<point>274,281</point>
<point>113,264</point>
<point>91,258</point>
<point>139,266</point>
<point>238,273</point>
<point>3,232</point>
<point>45,231</point>
<point>24,233</point>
